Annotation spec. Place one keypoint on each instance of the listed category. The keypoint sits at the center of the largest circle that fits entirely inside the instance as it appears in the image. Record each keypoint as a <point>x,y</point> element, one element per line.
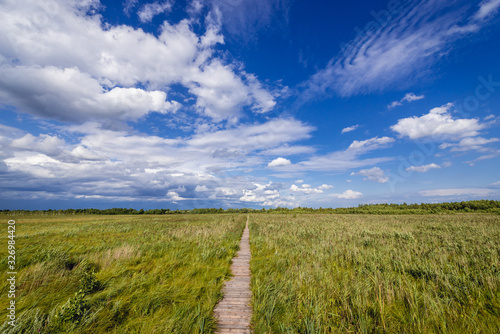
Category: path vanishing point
<point>234,312</point>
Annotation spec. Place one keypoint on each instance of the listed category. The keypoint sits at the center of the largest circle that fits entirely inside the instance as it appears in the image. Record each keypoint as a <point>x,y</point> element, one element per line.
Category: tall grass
<point>120,274</point>
<point>375,274</point>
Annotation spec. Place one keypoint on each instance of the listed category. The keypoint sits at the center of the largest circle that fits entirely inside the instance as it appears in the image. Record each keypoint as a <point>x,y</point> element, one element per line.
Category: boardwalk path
<point>234,312</point>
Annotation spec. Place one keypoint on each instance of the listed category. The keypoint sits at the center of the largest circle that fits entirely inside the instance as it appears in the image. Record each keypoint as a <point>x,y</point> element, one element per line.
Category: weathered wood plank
<point>234,312</point>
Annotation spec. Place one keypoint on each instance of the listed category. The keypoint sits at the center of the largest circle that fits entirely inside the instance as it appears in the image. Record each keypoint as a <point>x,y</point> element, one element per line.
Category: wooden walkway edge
<point>234,312</point>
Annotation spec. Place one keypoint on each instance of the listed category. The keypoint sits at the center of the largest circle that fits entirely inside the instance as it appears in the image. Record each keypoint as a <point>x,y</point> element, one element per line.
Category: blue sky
<point>248,103</point>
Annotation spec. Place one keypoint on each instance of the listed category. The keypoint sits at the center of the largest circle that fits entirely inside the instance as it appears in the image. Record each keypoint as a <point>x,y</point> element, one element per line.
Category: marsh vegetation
<point>311,273</point>
<point>121,274</point>
<point>376,274</point>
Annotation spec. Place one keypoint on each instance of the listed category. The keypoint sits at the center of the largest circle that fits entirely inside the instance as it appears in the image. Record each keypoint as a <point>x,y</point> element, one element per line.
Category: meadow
<point>375,274</point>
<point>119,274</point>
<point>311,273</point>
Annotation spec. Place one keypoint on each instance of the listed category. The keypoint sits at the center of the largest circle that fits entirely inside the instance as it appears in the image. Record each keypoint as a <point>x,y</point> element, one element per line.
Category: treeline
<point>125,211</point>
<point>423,208</point>
<point>490,206</point>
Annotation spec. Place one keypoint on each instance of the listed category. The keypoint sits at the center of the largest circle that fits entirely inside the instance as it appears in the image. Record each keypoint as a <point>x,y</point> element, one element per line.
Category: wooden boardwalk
<point>234,312</point>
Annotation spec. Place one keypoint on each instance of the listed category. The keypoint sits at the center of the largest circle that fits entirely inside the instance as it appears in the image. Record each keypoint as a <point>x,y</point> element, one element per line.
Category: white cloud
<point>46,144</point>
<point>150,10</point>
<point>42,59</point>
<point>409,97</point>
<point>307,189</point>
<point>370,144</point>
<point>350,128</point>
<point>267,195</point>
<point>225,191</point>
<point>350,194</point>
<point>470,144</point>
<point>496,184</point>
<point>174,196</point>
<point>269,135</point>
<point>279,162</point>
<point>299,181</point>
<point>120,165</point>
<point>438,124</point>
<point>493,154</point>
<point>232,92</point>
<point>478,192</point>
<point>70,95</point>
<point>195,7</point>
<point>128,5</point>
<point>374,174</point>
<point>487,8</point>
<point>343,160</point>
<point>398,52</point>
<point>250,196</point>
<point>423,168</point>
<point>201,188</point>
<point>287,150</point>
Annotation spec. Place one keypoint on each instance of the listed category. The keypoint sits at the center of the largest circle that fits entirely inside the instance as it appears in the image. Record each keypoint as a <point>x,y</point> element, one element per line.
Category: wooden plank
<point>234,312</point>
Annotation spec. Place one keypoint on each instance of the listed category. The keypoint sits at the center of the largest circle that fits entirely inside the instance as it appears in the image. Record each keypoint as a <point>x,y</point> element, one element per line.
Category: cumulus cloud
<point>439,124</point>
<point>70,95</point>
<point>267,195</point>
<point>308,189</point>
<point>41,60</point>
<point>119,165</point>
<point>409,97</point>
<point>225,191</point>
<point>46,144</point>
<point>350,128</point>
<point>174,196</point>
<point>279,162</point>
<point>350,194</point>
<point>201,188</point>
<point>374,174</point>
<point>423,168</point>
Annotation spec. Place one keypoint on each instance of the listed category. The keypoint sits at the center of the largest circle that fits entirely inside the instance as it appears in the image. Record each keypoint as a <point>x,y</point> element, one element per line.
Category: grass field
<point>312,273</point>
<point>376,274</point>
<point>120,274</point>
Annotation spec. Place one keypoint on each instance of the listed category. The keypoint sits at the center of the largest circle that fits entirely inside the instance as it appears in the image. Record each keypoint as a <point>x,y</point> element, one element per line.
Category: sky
<point>248,103</point>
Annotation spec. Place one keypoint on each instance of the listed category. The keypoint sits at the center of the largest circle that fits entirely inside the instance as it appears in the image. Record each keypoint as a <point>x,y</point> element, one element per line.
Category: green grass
<point>375,274</point>
<point>311,273</point>
<point>119,274</point>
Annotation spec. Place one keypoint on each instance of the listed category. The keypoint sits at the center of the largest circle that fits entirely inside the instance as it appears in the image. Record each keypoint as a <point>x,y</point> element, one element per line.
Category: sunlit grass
<point>153,274</point>
<point>375,274</point>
